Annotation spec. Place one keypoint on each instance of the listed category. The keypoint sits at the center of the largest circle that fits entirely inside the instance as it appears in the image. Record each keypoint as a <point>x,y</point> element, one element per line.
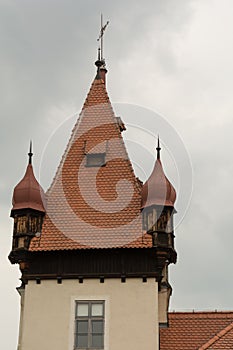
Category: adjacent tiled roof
<point>198,331</point>
<point>91,207</point>
<point>222,340</point>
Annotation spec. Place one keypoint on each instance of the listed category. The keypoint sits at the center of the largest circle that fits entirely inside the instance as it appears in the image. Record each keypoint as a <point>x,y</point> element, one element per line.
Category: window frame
<point>89,318</point>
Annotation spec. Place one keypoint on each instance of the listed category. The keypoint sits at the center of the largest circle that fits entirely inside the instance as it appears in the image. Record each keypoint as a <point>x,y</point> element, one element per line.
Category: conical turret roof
<point>28,194</point>
<point>158,190</point>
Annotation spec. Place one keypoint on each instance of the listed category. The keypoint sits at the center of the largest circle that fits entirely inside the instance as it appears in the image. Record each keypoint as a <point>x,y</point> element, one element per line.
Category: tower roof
<point>28,194</point>
<point>92,204</point>
<point>158,190</point>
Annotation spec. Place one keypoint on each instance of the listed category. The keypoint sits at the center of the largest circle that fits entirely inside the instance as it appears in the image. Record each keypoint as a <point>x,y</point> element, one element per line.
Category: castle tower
<point>93,273</point>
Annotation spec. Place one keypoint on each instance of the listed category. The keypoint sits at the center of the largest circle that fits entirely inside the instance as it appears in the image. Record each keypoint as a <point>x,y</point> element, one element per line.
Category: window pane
<point>82,341</point>
<point>97,326</point>
<point>97,309</point>
<point>97,341</point>
<point>95,159</point>
<point>82,310</point>
<point>82,327</point>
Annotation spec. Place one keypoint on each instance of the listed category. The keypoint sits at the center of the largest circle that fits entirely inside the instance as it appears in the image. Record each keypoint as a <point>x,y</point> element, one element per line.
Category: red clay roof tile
<point>158,190</point>
<point>93,207</point>
<point>28,193</point>
<point>222,340</point>
<point>198,331</point>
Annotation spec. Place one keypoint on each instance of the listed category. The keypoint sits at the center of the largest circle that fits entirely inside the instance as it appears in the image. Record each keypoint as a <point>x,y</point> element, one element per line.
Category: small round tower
<point>158,198</point>
<point>28,211</point>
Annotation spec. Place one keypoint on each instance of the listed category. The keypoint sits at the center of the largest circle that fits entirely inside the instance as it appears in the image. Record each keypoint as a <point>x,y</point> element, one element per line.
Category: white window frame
<point>89,318</point>
<point>81,297</point>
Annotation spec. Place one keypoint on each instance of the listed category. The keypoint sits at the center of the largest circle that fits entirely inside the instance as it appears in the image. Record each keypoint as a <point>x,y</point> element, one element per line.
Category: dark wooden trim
<point>80,280</point>
<point>95,263</point>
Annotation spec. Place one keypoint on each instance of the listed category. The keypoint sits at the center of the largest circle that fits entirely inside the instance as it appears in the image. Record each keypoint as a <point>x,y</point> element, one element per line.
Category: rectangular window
<point>95,159</point>
<point>89,325</point>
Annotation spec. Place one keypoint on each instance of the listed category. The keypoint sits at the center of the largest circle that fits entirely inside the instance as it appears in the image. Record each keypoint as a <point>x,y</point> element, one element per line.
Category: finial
<point>158,148</point>
<point>30,154</point>
<point>98,64</point>
<point>100,38</point>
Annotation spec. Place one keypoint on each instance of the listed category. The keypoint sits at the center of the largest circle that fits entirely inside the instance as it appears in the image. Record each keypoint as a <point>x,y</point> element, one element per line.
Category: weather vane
<point>100,38</point>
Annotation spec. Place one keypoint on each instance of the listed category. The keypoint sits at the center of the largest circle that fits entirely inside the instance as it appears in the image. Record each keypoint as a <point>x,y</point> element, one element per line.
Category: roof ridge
<point>218,336</point>
<point>95,82</point>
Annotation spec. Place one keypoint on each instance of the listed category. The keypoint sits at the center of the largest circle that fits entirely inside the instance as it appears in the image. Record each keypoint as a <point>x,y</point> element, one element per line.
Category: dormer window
<point>95,159</point>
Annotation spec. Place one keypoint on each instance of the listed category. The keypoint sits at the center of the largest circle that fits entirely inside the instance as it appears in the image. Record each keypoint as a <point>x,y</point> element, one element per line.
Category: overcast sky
<point>170,71</point>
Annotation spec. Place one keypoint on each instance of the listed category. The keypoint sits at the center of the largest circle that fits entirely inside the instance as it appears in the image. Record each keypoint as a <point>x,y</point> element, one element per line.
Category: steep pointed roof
<point>158,190</point>
<point>93,206</point>
<point>28,194</point>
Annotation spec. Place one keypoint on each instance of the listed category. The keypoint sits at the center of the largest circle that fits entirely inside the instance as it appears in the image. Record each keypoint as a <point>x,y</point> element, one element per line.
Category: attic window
<point>95,159</point>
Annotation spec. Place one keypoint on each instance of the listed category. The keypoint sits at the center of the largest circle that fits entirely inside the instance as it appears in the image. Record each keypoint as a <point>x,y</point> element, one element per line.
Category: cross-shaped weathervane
<point>100,38</point>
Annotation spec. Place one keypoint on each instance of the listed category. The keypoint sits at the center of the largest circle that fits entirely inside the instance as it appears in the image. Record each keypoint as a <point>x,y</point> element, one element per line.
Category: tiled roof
<point>93,207</point>
<point>158,190</point>
<point>222,340</point>
<point>198,331</point>
<point>28,193</point>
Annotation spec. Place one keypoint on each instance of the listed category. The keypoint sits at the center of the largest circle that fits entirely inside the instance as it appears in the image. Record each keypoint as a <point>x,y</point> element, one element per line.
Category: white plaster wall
<point>163,305</point>
<point>131,313</point>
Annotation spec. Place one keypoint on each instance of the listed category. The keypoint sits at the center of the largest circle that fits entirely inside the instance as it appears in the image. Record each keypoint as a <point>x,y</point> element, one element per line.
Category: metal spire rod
<point>101,42</point>
<point>100,38</point>
<point>158,148</point>
<point>30,154</point>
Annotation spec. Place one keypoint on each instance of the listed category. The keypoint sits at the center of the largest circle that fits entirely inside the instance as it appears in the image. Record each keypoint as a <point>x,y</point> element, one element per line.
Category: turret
<point>158,198</point>
<point>28,211</point>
